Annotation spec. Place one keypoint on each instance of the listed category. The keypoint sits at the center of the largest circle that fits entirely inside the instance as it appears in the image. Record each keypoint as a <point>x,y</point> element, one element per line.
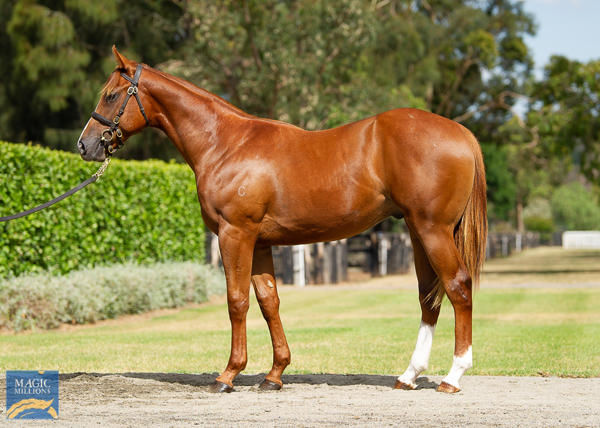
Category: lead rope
<point>102,168</point>
<point>90,180</point>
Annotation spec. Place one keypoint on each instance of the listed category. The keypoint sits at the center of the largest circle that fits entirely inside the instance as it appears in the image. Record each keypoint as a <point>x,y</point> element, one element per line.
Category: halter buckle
<point>109,133</point>
<point>132,90</point>
<point>116,119</point>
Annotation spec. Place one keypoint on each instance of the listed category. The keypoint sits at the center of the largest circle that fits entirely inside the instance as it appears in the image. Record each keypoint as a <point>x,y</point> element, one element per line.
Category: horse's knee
<point>238,305</point>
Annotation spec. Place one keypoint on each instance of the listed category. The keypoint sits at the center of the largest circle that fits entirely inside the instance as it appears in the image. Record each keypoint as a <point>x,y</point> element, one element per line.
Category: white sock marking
<point>460,365</point>
<point>420,357</point>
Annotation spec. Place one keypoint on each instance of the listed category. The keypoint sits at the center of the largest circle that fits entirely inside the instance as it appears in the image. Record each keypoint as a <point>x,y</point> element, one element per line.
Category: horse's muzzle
<point>91,150</point>
<point>81,148</point>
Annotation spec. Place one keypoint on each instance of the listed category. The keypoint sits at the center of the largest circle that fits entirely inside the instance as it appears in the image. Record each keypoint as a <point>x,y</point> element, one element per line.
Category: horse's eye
<point>111,97</point>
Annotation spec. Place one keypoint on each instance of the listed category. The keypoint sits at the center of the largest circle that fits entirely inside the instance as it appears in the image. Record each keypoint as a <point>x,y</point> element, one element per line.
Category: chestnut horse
<point>262,182</point>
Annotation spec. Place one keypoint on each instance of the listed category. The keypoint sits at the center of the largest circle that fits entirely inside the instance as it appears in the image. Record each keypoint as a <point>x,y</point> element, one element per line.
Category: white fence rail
<point>579,239</point>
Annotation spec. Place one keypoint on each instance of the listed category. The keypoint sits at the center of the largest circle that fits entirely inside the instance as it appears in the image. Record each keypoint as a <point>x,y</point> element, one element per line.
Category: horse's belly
<point>312,222</point>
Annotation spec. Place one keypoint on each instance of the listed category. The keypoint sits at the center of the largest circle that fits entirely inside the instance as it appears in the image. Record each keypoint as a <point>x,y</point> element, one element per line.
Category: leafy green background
<point>138,211</point>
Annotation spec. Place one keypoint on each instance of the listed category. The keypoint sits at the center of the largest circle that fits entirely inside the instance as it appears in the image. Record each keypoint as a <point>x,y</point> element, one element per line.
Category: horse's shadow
<point>206,379</point>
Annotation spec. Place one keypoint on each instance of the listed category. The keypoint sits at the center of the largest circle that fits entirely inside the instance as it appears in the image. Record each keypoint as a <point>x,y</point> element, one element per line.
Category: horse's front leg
<point>236,245</point>
<point>265,287</point>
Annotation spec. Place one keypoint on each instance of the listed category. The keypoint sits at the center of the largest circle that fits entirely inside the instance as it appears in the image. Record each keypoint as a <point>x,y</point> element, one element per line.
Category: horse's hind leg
<point>429,315</point>
<point>438,243</point>
<point>265,287</point>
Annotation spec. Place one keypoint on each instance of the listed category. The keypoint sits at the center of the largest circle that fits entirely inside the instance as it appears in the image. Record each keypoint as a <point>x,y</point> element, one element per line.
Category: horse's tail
<point>470,234</point>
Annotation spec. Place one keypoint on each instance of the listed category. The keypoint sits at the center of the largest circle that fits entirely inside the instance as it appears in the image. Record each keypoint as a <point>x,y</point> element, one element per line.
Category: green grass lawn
<point>517,331</point>
<point>551,265</point>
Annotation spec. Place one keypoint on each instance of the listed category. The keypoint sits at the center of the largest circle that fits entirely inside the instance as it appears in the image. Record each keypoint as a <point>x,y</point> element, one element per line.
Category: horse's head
<point>120,112</point>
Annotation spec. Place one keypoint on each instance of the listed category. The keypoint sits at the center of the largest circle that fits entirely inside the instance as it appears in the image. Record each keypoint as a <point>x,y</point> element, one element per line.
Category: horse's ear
<point>122,62</point>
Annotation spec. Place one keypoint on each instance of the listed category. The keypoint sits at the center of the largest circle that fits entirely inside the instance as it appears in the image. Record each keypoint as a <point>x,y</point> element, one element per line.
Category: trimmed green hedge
<point>45,301</point>
<point>138,211</point>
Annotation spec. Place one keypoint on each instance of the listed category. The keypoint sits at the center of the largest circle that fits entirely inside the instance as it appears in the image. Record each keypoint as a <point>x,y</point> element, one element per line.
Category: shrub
<point>575,208</point>
<point>539,224</point>
<point>45,301</point>
<point>141,211</point>
<point>538,218</point>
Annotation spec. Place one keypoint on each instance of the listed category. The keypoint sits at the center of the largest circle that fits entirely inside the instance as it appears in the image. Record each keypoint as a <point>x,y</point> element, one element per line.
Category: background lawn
<point>347,329</point>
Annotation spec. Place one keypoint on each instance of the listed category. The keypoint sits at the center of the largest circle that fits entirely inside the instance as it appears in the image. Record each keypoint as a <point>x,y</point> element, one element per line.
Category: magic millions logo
<point>32,394</point>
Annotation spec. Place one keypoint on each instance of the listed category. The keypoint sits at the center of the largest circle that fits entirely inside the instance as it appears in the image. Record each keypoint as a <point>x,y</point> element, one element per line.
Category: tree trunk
<point>520,221</point>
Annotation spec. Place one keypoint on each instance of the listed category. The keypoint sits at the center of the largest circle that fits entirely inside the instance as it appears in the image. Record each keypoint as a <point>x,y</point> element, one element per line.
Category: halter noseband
<point>113,130</point>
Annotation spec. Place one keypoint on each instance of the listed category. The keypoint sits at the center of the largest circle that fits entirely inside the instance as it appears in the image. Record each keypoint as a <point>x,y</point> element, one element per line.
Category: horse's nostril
<point>81,147</point>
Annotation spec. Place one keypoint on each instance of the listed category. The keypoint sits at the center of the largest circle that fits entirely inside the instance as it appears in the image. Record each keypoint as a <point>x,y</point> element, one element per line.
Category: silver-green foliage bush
<point>45,301</point>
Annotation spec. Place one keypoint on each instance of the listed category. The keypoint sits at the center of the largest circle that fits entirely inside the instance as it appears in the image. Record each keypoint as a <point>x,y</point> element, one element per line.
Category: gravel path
<point>155,399</point>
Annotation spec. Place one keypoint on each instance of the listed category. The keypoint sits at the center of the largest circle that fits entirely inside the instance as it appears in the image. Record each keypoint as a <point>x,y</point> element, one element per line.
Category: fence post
<point>374,253</point>
<point>320,263</point>
<point>504,246</point>
<point>213,255</point>
<point>299,265</point>
<point>342,260</point>
<point>309,263</point>
<point>333,265</point>
<point>384,246</point>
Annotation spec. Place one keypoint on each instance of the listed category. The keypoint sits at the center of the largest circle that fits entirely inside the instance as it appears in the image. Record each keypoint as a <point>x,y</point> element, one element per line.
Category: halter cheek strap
<point>113,130</point>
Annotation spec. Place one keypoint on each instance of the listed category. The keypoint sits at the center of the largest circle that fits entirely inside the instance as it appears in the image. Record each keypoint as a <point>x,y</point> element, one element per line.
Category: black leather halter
<point>113,130</point>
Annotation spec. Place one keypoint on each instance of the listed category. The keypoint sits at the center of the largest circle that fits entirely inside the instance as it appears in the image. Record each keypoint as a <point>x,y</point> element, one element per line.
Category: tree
<point>501,182</point>
<point>566,111</point>
<point>44,68</point>
<point>559,130</point>
<point>55,55</point>
<point>290,60</point>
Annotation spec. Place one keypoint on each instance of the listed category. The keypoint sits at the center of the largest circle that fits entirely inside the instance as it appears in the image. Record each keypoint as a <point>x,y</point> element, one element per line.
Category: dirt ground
<point>156,399</point>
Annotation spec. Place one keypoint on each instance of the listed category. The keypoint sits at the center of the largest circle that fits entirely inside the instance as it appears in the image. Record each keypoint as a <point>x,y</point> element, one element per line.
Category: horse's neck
<point>196,121</point>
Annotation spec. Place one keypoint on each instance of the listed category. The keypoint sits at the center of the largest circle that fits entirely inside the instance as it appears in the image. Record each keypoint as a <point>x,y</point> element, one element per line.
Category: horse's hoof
<point>447,388</point>
<point>220,387</point>
<point>269,385</point>
<point>406,386</point>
